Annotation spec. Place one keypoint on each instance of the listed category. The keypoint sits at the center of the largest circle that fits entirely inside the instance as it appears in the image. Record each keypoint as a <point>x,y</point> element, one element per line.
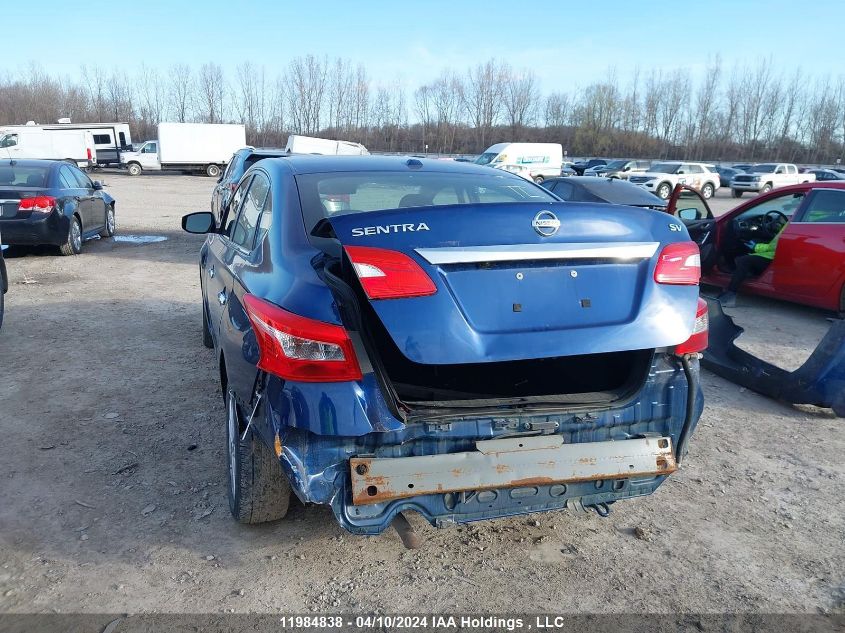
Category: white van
<point>298,144</point>
<point>532,161</point>
<point>33,141</point>
<point>109,139</point>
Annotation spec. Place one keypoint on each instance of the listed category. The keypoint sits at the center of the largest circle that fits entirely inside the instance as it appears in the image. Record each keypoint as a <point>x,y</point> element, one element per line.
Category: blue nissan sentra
<point>397,334</point>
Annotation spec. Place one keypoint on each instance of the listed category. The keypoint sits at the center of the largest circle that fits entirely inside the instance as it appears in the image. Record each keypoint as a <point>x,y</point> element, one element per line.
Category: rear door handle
<point>221,297</point>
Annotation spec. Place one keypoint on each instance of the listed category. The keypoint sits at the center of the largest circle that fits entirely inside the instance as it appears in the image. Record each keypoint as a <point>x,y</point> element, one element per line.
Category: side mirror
<point>200,222</point>
<point>97,185</point>
<point>688,214</point>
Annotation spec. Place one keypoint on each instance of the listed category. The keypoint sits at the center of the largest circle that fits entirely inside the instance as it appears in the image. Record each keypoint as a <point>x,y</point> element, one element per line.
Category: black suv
<point>241,160</point>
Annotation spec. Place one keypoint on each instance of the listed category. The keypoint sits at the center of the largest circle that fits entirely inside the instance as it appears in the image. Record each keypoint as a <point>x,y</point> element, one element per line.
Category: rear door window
<point>564,190</point>
<point>67,179</point>
<point>253,204</point>
<point>827,206</point>
<point>83,180</point>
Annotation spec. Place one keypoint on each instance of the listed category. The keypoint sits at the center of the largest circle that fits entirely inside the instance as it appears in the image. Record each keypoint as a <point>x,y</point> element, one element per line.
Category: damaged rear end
<point>511,357</point>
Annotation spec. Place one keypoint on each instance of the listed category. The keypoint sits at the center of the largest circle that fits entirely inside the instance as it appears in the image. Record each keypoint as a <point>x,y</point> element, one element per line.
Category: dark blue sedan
<point>53,203</point>
<point>398,334</point>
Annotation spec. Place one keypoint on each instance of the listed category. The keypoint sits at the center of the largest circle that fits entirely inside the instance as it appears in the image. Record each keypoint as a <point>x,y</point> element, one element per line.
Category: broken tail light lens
<point>37,204</point>
<point>386,274</point>
<point>697,342</point>
<point>301,349</point>
<point>679,264</point>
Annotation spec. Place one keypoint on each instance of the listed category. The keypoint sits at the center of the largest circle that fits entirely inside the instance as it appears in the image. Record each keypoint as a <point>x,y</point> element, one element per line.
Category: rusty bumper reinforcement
<point>507,463</point>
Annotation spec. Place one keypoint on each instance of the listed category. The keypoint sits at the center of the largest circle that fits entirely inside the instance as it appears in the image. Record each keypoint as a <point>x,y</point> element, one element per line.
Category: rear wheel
<point>212,171</point>
<point>664,191</point>
<point>736,193</point>
<point>707,191</point>
<point>538,179</point>
<point>111,227</point>
<point>73,243</point>
<point>134,169</point>
<point>258,489</point>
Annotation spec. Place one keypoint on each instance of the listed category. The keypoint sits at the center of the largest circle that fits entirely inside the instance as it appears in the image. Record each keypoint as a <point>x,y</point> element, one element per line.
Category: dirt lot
<point>114,493</point>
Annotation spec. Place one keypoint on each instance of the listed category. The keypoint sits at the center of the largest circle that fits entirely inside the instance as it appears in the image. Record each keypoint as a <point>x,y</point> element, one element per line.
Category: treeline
<point>746,112</point>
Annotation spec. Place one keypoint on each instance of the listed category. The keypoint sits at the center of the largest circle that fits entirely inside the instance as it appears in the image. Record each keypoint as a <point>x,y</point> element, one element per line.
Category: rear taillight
<point>37,204</point>
<point>233,186</point>
<point>386,274</point>
<point>678,264</point>
<point>296,348</point>
<point>697,342</point>
<point>88,151</point>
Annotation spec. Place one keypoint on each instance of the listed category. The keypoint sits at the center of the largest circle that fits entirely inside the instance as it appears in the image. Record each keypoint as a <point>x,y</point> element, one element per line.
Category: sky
<point>567,44</point>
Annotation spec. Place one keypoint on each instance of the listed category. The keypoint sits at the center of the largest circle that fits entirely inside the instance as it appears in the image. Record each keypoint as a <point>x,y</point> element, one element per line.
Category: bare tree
<point>521,98</point>
<point>481,94</point>
<point>181,92</point>
<point>557,110</point>
<point>306,80</point>
<point>211,92</point>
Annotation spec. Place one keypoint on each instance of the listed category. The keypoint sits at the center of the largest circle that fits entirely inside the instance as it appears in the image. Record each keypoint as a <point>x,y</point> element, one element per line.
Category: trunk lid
<point>528,280</point>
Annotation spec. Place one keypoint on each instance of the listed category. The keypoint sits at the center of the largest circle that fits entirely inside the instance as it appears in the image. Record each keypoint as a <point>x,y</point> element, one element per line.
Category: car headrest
<point>414,200</point>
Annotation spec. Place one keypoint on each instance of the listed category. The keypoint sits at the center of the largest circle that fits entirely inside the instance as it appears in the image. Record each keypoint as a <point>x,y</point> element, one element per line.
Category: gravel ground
<point>114,493</point>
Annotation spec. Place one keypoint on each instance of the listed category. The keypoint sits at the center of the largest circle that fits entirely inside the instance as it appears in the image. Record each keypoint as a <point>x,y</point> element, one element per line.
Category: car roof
<point>614,190</point>
<point>315,164</point>
<point>29,162</point>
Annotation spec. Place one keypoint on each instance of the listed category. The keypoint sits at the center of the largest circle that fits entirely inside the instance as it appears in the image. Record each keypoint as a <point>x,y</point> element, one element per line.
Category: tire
<point>134,169</point>
<point>207,341</point>
<point>538,180</point>
<point>664,190</point>
<point>212,171</point>
<point>73,243</point>
<point>736,193</point>
<point>258,489</point>
<point>111,225</point>
<point>707,190</point>
<point>766,188</point>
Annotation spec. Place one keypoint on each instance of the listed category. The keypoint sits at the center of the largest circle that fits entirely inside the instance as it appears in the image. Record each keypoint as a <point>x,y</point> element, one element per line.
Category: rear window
<point>23,176</point>
<point>763,168</point>
<point>341,193</point>
<point>665,168</point>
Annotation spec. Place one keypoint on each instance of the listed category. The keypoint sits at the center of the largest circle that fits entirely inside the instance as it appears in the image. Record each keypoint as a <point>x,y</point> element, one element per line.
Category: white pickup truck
<point>767,176</point>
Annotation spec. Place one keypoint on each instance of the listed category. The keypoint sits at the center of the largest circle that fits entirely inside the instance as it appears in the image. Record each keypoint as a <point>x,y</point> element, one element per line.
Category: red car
<point>809,264</point>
